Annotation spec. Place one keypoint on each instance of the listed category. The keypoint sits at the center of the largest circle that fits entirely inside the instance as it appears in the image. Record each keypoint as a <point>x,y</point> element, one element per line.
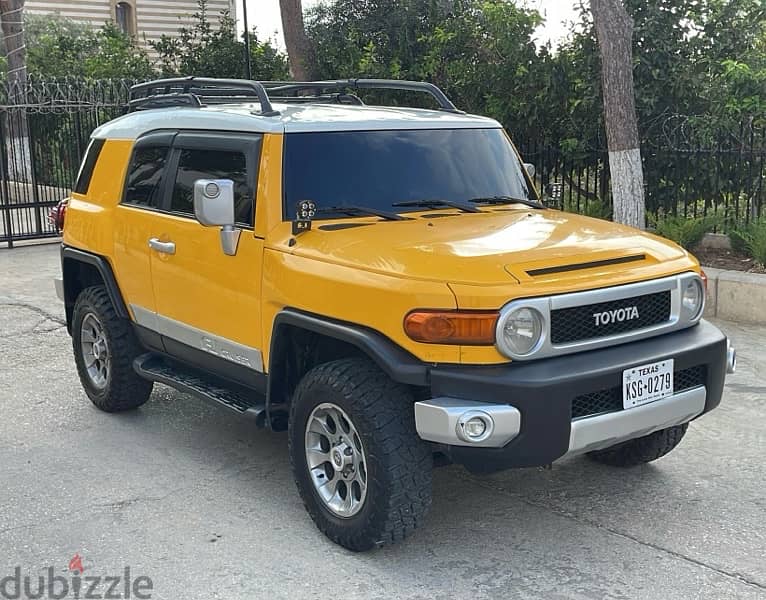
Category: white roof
<point>291,118</point>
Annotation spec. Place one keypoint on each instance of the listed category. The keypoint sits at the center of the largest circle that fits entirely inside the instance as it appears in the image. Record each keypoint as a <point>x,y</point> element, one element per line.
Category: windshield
<point>377,169</point>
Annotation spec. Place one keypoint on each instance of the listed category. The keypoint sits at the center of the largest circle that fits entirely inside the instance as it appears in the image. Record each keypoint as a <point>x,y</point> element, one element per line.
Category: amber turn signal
<point>470,328</point>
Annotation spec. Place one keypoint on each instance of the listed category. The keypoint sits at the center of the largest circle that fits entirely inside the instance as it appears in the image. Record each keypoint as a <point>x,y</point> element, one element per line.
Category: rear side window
<point>213,164</point>
<point>87,166</point>
<point>144,183</point>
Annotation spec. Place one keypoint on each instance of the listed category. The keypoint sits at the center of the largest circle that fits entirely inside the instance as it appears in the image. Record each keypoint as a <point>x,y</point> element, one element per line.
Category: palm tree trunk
<point>298,46</point>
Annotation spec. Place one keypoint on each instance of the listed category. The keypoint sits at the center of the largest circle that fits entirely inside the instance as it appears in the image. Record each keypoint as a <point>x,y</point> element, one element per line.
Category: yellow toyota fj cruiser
<point>383,283</point>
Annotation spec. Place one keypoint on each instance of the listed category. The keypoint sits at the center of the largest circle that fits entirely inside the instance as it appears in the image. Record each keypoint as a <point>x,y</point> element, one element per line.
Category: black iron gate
<point>44,129</point>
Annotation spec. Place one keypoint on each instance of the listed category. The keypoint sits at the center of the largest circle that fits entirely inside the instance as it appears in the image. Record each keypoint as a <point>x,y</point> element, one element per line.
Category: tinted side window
<point>144,184</point>
<point>213,164</point>
<point>88,164</point>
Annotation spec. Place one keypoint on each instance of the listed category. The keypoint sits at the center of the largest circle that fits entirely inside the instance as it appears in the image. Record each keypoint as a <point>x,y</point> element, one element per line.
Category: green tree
<point>480,51</point>
<point>206,51</point>
<point>703,58</point>
<point>58,48</point>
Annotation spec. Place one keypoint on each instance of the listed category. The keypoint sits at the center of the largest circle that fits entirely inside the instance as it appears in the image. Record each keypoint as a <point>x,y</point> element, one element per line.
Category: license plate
<point>647,383</point>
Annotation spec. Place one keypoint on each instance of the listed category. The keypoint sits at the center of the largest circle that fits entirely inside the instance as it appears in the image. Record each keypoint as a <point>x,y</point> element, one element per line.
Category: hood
<point>499,246</point>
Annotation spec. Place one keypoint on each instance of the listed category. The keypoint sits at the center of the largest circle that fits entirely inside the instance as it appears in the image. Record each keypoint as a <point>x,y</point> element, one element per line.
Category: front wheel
<point>362,471</point>
<point>641,450</point>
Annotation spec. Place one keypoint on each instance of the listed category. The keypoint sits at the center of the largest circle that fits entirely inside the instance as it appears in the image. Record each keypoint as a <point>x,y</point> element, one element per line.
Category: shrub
<point>685,231</point>
<point>595,208</point>
<point>751,238</point>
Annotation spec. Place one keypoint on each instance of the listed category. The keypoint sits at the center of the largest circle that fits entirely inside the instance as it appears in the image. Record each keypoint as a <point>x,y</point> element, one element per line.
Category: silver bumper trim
<point>436,420</point>
<point>58,283</point>
<point>603,431</point>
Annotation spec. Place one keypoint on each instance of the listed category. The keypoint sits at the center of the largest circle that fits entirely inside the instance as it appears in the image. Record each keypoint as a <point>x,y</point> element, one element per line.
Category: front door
<point>208,302</point>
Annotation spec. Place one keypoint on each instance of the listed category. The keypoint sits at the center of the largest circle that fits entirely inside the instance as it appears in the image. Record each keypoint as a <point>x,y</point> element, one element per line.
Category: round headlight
<point>521,331</point>
<point>692,299</point>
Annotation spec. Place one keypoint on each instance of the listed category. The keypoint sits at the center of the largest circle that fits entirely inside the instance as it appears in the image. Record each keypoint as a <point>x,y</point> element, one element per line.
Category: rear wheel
<point>362,471</point>
<point>641,450</point>
<point>104,349</point>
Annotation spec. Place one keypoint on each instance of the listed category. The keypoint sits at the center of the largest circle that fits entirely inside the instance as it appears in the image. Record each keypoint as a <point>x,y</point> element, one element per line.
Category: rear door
<point>207,302</point>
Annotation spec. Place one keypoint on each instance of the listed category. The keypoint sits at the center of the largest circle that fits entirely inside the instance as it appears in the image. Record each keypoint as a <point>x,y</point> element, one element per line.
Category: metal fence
<point>690,169</point>
<point>44,130</point>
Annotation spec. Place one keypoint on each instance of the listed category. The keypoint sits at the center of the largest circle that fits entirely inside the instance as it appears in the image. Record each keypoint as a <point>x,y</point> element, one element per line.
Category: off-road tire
<point>641,450</point>
<point>399,463</point>
<point>124,389</point>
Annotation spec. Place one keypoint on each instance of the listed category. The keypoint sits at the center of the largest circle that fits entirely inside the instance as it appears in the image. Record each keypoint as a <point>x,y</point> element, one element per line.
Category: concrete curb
<point>736,295</point>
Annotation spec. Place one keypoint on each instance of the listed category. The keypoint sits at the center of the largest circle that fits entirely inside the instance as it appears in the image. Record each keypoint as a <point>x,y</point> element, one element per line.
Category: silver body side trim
<point>197,338</point>
<point>603,431</point>
<point>436,420</point>
<point>544,305</point>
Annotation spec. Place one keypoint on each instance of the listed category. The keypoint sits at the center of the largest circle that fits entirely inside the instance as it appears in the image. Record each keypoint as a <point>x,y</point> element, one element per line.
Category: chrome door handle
<point>164,247</point>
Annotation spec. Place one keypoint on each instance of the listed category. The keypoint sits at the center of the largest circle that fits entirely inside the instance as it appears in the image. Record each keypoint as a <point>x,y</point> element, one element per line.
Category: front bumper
<point>542,392</point>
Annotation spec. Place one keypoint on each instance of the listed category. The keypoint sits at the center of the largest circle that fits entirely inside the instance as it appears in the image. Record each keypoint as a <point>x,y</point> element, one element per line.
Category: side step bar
<point>210,388</point>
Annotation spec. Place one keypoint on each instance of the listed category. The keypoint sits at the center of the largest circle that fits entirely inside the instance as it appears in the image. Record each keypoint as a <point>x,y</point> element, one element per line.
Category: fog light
<point>475,426</point>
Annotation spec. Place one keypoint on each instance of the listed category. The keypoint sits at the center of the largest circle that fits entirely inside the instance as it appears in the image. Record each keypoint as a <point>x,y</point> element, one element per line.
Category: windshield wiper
<point>436,203</point>
<point>362,210</point>
<point>507,200</point>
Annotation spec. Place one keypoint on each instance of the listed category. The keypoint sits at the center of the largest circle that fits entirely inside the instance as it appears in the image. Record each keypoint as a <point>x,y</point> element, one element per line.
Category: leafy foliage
<point>705,58</point>
<point>751,238</point>
<point>58,48</point>
<point>479,51</point>
<point>686,232</point>
<point>207,51</point>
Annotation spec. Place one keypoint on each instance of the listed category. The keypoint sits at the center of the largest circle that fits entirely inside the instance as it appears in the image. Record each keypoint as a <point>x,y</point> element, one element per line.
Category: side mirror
<point>214,201</point>
<point>530,169</point>
<point>214,205</point>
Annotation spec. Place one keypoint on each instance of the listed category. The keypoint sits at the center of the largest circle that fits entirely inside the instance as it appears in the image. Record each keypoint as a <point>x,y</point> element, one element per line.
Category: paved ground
<point>205,505</point>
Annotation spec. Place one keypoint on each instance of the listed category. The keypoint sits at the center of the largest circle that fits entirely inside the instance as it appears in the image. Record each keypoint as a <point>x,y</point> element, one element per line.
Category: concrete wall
<point>736,296</point>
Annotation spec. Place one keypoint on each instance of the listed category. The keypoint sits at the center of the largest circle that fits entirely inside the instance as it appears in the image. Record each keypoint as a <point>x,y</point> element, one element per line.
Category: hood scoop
<point>586,265</point>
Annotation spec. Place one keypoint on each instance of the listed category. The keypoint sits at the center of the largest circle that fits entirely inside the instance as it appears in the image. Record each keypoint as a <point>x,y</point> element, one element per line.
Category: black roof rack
<point>193,91</point>
<point>286,87</point>
<point>146,95</point>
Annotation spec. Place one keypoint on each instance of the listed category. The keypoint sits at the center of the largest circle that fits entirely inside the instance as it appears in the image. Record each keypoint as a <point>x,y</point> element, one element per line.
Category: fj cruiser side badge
<point>304,212</point>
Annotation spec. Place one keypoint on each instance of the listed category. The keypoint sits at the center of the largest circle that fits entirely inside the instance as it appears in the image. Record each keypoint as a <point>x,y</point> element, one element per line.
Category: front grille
<point>580,323</point>
<point>610,400</point>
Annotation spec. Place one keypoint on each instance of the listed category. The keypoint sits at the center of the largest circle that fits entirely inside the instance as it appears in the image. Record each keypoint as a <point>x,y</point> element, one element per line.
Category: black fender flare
<point>103,267</point>
<point>393,360</point>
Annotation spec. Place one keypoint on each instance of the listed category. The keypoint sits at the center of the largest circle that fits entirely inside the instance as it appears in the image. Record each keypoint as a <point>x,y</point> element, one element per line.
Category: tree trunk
<point>12,16</point>
<point>17,140</point>
<point>614,30</point>
<point>298,47</point>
